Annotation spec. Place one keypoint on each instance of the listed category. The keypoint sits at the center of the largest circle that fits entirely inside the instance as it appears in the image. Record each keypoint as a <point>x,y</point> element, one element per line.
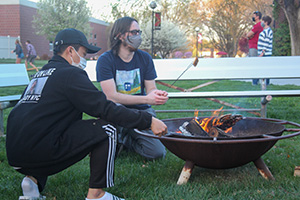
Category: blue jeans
<point>252,52</point>
<point>255,81</point>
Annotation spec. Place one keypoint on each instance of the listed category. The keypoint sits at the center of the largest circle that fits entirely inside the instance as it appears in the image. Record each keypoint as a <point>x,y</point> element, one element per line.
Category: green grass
<point>37,63</point>
<point>138,179</point>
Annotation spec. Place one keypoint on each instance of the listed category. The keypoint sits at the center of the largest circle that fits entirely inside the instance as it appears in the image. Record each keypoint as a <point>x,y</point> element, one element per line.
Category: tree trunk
<point>291,9</point>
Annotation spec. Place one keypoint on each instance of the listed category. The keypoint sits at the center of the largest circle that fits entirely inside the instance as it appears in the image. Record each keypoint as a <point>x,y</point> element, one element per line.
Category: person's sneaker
<point>30,188</point>
<point>32,198</point>
<point>108,196</point>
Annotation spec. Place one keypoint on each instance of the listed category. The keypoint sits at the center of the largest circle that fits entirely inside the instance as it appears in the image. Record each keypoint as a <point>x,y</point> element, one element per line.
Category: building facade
<point>16,18</point>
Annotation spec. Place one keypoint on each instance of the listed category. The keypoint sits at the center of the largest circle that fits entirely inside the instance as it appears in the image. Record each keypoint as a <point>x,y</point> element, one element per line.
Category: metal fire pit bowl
<point>255,137</point>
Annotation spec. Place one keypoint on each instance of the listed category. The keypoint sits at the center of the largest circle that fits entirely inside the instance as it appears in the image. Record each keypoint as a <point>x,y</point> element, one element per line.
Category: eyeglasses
<point>135,32</point>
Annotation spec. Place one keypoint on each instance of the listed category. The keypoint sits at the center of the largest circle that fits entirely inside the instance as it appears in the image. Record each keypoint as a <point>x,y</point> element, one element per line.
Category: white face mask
<point>81,64</point>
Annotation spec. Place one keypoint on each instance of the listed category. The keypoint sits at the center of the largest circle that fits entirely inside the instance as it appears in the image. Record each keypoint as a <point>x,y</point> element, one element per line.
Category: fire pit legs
<point>263,169</point>
<point>185,173</point>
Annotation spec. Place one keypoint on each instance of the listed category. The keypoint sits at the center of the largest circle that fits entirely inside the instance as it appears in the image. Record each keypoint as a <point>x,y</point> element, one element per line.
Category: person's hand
<point>12,51</point>
<point>157,97</point>
<point>158,127</point>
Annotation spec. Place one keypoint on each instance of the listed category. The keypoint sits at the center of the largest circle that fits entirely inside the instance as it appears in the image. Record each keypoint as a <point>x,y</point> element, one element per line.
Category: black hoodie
<point>56,97</point>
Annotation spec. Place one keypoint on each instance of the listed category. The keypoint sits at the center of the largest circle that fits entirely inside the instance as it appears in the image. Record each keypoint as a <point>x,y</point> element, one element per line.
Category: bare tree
<point>264,6</point>
<point>222,21</point>
<point>226,22</point>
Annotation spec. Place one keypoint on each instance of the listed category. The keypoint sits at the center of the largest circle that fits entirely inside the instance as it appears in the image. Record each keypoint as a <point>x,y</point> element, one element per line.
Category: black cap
<point>73,36</point>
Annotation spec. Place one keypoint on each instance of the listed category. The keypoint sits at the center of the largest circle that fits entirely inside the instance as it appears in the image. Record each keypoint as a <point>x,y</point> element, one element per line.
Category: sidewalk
<point>285,81</point>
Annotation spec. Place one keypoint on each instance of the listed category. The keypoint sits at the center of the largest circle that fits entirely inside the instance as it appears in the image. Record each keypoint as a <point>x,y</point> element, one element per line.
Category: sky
<point>97,6</point>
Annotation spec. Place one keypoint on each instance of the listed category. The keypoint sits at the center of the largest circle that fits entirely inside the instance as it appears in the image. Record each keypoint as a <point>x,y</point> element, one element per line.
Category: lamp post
<point>152,6</point>
<point>197,29</point>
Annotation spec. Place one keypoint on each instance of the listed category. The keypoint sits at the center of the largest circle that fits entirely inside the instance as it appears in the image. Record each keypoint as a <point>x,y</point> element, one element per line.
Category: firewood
<point>213,132</point>
<point>214,126</point>
<point>195,129</point>
<point>228,120</point>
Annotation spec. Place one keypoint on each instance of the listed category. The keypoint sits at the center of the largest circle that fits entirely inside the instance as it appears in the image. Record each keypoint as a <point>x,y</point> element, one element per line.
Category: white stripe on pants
<point>112,143</point>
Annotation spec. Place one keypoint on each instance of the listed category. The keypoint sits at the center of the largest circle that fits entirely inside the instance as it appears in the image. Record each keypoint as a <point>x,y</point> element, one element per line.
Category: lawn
<point>139,179</point>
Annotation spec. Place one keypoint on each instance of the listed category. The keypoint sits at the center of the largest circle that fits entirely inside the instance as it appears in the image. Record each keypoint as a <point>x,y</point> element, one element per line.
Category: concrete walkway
<point>285,81</point>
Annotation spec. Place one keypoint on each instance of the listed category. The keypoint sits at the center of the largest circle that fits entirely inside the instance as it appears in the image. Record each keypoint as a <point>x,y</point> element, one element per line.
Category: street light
<point>152,6</point>
<point>197,29</point>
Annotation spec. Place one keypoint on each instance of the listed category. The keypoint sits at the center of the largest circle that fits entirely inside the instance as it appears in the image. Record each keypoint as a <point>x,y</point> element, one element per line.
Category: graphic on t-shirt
<point>128,82</point>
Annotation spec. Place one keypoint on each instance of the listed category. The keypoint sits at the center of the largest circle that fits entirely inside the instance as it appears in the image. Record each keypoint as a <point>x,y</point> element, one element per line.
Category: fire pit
<point>253,137</point>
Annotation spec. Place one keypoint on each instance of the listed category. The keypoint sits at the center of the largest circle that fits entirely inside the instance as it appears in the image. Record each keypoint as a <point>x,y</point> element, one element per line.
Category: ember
<point>212,126</point>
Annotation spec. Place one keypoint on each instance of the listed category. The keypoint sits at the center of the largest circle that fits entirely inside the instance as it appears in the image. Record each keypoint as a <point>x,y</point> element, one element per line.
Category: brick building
<point>16,22</point>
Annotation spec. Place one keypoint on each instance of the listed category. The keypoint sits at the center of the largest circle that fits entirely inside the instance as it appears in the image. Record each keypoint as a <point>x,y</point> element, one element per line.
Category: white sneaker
<point>30,188</point>
<point>31,198</point>
<point>108,196</point>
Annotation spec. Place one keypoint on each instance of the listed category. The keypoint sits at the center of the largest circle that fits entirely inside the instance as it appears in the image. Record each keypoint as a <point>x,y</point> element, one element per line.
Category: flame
<point>229,130</point>
<point>204,123</point>
<point>207,123</point>
<point>196,113</point>
<point>178,131</point>
<point>216,113</point>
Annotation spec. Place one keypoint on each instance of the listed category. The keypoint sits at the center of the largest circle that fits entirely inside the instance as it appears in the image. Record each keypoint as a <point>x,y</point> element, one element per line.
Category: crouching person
<point>45,130</point>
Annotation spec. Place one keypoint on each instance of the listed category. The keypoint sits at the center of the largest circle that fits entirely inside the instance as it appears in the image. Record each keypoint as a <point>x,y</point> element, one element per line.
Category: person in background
<point>19,51</point>
<point>254,33</point>
<point>253,37</point>
<point>45,130</point>
<point>265,40</point>
<point>126,75</point>
<point>31,55</point>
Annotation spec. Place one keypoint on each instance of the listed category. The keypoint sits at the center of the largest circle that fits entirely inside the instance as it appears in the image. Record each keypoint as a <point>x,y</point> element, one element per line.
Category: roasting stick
<point>197,87</point>
<point>189,66</point>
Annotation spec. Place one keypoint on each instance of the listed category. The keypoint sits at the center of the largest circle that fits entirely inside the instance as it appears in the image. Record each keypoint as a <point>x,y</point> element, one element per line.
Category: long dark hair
<point>18,42</point>
<point>121,26</point>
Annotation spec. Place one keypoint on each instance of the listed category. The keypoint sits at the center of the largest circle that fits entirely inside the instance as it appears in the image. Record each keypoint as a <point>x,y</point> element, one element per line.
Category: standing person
<point>45,130</point>
<point>126,75</point>
<point>265,40</point>
<point>254,33</point>
<point>253,37</point>
<point>19,51</point>
<point>31,55</point>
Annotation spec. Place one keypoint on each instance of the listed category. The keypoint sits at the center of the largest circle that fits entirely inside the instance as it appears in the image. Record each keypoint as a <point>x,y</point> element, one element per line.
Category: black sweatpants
<point>102,156</point>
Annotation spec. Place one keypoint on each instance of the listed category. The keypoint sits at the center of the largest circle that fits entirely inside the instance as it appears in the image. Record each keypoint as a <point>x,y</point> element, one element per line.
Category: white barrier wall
<point>228,68</point>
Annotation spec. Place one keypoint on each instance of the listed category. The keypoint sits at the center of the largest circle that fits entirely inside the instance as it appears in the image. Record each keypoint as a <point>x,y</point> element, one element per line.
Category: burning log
<point>212,127</point>
<point>192,129</point>
<point>229,120</point>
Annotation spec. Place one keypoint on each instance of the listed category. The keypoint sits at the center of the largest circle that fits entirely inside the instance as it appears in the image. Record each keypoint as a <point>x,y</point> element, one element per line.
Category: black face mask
<point>253,19</point>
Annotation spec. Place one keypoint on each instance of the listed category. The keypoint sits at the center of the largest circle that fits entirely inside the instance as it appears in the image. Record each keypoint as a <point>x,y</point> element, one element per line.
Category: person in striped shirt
<point>265,40</point>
